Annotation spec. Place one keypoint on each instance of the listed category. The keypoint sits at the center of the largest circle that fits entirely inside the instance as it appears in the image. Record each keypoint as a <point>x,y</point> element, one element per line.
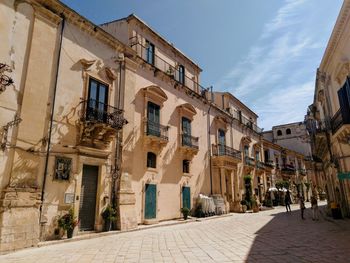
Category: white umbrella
<point>273,189</point>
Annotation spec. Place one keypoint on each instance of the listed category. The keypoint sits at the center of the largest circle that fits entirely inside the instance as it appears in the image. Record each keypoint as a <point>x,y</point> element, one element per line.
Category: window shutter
<point>344,101</point>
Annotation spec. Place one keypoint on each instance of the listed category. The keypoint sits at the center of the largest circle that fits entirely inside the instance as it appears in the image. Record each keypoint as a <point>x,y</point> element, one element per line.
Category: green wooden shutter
<point>150,201</point>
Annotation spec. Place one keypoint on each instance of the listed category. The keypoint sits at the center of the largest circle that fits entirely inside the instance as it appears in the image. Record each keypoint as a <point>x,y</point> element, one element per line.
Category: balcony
<point>302,172</point>
<point>288,169</point>
<point>189,145</point>
<point>193,88</point>
<point>340,127</point>
<point>225,156</point>
<point>269,165</point>
<point>247,122</point>
<point>249,161</point>
<point>99,123</point>
<point>156,135</point>
<point>260,165</point>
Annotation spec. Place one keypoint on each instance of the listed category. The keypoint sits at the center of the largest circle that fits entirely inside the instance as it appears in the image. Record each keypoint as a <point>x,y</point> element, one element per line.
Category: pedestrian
<point>314,208</point>
<point>302,206</point>
<point>287,201</point>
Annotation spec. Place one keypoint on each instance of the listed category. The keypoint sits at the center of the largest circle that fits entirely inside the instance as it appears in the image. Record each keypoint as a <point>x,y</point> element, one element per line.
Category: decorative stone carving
<point>110,73</point>
<point>86,63</point>
<point>343,72</point>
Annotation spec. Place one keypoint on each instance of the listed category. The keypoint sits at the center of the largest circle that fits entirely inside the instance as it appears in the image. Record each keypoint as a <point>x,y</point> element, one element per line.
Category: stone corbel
<point>86,63</point>
<point>110,73</point>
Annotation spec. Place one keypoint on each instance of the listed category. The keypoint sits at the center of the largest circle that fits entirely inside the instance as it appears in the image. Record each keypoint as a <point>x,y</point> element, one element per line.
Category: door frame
<point>102,173</point>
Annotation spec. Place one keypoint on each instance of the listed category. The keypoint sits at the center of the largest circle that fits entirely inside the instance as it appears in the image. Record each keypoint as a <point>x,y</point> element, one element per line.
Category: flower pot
<point>70,232</point>
<point>244,208</point>
<point>185,216</point>
<point>108,225</point>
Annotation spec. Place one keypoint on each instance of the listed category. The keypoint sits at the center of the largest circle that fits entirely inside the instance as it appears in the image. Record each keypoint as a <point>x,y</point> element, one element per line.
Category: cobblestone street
<point>268,236</point>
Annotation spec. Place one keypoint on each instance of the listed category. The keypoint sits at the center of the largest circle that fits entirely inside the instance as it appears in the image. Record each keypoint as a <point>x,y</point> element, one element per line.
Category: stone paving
<point>268,236</point>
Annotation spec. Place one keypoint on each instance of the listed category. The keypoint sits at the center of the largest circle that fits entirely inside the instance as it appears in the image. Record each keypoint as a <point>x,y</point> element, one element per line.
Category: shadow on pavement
<point>288,238</point>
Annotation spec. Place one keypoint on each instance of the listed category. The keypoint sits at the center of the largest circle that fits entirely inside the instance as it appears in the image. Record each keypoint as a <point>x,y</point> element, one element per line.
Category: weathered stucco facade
<point>114,114</point>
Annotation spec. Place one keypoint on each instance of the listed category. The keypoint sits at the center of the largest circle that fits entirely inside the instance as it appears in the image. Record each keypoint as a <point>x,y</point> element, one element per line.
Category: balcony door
<point>150,52</point>
<point>222,141</point>
<point>97,101</point>
<point>186,131</point>
<point>153,120</point>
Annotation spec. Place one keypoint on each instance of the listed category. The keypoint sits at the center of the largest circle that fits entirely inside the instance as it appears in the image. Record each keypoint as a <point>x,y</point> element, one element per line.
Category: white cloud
<point>276,78</point>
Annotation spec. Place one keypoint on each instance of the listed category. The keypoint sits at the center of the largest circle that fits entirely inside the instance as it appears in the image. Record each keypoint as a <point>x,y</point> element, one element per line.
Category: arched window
<point>186,166</point>
<point>288,131</point>
<point>279,133</point>
<point>151,160</point>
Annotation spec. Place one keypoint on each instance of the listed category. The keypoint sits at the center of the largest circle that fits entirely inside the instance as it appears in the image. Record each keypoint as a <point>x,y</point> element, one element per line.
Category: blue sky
<point>265,52</point>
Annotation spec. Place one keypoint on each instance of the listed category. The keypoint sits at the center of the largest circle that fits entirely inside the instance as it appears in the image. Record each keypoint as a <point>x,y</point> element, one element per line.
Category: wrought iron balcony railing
<point>337,121</point>
<point>247,122</point>
<point>97,112</point>
<point>302,171</point>
<point>156,129</point>
<point>288,168</point>
<point>269,164</point>
<point>173,72</point>
<point>249,161</point>
<point>189,141</point>
<point>223,150</point>
<point>259,164</point>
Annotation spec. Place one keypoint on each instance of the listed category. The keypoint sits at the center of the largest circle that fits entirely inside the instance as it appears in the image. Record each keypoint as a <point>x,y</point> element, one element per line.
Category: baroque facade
<point>114,114</point>
<point>328,117</point>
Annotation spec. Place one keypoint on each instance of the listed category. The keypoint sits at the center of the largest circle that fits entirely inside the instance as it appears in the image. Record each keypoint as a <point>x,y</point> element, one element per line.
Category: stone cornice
<point>58,9</point>
<point>337,32</point>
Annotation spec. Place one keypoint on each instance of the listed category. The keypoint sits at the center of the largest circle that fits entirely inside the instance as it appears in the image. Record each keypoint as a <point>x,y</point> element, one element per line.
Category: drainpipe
<point>209,146</point>
<point>51,118</point>
<point>117,156</point>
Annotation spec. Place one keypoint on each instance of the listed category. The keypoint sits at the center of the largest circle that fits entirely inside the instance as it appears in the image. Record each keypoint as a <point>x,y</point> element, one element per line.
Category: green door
<point>186,197</point>
<point>150,201</point>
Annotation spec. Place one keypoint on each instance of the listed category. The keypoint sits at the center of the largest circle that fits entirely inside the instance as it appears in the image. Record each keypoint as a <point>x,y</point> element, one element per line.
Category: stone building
<point>60,119</point>
<point>111,114</point>
<point>328,116</point>
<point>294,138</point>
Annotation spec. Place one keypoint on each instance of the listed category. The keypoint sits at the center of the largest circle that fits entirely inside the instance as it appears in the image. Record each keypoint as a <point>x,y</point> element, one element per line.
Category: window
<point>186,132</point>
<point>246,150</point>
<point>222,141</point>
<point>97,101</point>
<point>279,133</point>
<point>288,131</point>
<point>186,166</point>
<point>153,121</point>
<point>266,155</point>
<point>149,52</point>
<point>181,74</point>
<point>151,160</point>
<point>257,156</point>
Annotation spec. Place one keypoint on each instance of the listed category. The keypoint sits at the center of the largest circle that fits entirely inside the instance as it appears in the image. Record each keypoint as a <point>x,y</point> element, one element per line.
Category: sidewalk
<point>90,235</point>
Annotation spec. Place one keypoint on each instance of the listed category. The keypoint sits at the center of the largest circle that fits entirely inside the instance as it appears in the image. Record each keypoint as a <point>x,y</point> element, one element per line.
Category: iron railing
<point>249,161</point>
<point>259,164</point>
<point>269,163</point>
<point>247,122</point>
<point>98,112</point>
<point>302,171</point>
<point>189,141</point>
<point>156,129</point>
<point>288,169</point>
<point>337,121</point>
<point>170,70</point>
<point>223,150</point>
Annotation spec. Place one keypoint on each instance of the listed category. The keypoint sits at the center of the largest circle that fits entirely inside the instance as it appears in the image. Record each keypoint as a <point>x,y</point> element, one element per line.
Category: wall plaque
<point>63,168</point>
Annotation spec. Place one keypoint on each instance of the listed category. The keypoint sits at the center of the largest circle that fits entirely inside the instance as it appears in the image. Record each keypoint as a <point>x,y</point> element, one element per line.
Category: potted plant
<point>108,216</point>
<point>255,206</point>
<point>185,212</point>
<point>244,205</point>
<point>68,222</point>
